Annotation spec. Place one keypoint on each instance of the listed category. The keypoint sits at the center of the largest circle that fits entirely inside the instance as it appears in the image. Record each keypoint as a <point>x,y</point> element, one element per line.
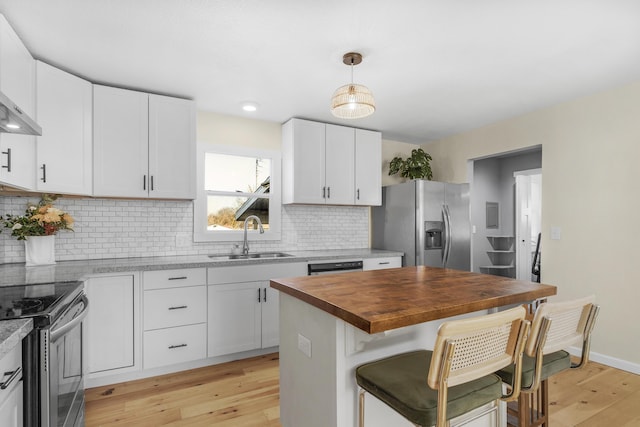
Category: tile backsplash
<point>107,228</point>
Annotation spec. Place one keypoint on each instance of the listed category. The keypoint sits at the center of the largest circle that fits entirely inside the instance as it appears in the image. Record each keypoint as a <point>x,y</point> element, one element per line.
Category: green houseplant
<point>416,166</point>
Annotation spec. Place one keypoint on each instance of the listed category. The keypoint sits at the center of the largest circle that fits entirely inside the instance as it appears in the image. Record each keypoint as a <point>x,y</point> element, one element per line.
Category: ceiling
<point>435,67</point>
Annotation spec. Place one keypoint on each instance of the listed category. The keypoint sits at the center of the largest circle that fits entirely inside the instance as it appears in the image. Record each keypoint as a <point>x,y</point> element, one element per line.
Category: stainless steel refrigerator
<point>428,221</point>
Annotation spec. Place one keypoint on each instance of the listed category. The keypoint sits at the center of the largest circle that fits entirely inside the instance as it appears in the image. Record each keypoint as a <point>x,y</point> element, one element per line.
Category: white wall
<point>591,190</point>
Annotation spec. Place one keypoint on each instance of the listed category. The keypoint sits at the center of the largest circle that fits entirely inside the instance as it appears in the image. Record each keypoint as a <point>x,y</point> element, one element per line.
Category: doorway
<point>528,200</point>
<point>493,210</point>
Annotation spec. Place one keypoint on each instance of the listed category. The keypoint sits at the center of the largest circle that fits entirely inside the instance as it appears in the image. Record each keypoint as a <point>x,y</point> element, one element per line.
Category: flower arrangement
<point>38,220</point>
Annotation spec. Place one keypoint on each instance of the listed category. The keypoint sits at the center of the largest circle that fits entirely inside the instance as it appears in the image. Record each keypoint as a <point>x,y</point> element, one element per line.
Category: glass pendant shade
<point>352,101</point>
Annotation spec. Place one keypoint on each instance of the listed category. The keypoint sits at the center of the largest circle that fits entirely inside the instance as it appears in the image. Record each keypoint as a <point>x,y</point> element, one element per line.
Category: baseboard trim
<point>625,365</point>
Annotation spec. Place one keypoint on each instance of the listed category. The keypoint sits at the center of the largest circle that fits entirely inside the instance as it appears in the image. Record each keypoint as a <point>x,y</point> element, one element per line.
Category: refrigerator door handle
<point>447,235</point>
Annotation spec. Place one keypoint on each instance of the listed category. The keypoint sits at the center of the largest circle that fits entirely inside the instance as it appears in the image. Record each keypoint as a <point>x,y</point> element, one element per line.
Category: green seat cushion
<point>400,381</point>
<point>552,363</point>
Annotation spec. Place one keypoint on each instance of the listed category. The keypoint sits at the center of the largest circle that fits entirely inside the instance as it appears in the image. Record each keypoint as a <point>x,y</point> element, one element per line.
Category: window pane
<point>229,213</point>
<point>235,173</point>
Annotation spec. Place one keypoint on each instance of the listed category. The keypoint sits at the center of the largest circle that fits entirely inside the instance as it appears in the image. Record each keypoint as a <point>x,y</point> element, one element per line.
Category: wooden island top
<point>380,300</point>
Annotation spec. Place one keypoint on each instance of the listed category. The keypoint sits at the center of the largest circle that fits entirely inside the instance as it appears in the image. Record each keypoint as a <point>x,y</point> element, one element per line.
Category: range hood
<point>14,120</point>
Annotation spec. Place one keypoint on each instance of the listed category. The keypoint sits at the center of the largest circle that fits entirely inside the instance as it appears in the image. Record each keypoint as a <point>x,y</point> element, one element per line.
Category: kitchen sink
<point>256,255</point>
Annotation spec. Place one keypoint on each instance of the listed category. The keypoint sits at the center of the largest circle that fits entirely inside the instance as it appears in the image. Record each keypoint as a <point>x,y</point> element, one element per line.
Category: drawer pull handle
<point>171,347</point>
<point>14,374</point>
<point>178,278</point>
<point>384,263</point>
<point>178,307</point>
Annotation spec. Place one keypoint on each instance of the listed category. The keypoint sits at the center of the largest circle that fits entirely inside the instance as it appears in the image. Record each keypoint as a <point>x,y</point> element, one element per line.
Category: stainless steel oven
<point>61,368</point>
<point>52,353</point>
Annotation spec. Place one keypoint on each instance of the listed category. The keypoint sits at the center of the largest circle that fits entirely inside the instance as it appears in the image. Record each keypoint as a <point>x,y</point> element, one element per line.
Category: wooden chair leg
<point>544,404</point>
<point>531,409</point>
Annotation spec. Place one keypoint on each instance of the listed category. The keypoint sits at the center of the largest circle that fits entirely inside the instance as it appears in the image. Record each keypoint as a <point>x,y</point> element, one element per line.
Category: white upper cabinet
<point>17,81</point>
<point>172,147</point>
<point>64,111</point>
<point>339,165</point>
<point>368,173</point>
<point>303,159</point>
<point>330,164</point>
<point>120,142</point>
<point>144,145</point>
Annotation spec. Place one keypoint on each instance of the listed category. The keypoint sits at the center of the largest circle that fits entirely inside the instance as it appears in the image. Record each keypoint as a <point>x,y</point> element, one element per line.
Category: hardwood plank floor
<point>246,393</point>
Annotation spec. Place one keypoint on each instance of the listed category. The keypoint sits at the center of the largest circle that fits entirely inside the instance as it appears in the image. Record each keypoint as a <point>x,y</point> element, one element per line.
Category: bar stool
<point>555,326</point>
<point>430,387</point>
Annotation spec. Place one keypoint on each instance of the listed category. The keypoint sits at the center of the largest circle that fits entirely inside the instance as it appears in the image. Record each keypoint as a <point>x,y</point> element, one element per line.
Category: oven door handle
<point>57,333</point>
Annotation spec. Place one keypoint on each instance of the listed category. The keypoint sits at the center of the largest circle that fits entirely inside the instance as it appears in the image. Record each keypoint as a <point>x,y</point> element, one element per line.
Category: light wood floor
<point>245,393</point>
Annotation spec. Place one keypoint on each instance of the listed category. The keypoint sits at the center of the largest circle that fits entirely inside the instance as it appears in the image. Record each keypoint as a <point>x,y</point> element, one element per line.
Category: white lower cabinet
<point>11,391</point>
<point>175,316</point>
<point>381,263</point>
<point>235,318</point>
<point>112,324</point>
<point>242,307</point>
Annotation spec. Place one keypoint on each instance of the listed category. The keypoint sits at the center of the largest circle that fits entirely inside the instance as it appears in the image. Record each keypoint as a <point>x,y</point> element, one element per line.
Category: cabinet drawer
<point>381,263</point>
<point>8,365</point>
<point>162,279</point>
<point>165,308</point>
<point>175,345</point>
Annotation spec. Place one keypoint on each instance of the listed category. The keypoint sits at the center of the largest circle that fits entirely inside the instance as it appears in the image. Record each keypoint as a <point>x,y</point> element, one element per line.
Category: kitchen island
<point>331,324</point>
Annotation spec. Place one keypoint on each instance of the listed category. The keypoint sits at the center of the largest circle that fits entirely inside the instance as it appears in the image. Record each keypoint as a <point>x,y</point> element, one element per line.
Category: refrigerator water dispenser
<point>433,234</point>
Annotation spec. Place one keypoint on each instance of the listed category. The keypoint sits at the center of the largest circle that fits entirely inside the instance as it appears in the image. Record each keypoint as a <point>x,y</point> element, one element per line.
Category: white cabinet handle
<point>14,374</point>
<point>8,166</point>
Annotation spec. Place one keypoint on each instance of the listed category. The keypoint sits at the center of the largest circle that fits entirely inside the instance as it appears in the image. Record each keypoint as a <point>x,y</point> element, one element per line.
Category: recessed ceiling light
<point>250,106</point>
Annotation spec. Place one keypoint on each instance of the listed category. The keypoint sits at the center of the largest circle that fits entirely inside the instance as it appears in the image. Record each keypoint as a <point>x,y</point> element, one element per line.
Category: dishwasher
<point>333,267</point>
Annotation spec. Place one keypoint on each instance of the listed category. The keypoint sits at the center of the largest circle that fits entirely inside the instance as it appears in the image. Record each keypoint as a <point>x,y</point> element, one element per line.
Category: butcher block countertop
<point>381,300</point>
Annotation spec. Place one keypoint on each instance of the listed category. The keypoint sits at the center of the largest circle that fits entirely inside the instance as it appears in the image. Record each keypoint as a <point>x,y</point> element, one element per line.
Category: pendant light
<point>352,101</point>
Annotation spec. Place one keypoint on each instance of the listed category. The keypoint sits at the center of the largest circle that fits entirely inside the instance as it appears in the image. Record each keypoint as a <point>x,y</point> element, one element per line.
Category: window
<point>233,184</point>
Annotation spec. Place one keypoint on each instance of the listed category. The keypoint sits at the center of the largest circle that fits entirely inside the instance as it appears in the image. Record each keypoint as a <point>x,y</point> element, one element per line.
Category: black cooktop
<point>37,300</point>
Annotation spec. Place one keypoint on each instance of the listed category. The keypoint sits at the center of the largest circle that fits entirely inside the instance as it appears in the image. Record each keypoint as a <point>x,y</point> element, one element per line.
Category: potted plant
<point>416,166</point>
<point>37,227</point>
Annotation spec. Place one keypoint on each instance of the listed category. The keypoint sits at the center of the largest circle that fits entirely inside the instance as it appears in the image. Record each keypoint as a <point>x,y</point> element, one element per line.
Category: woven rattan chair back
<point>559,325</point>
<point>468,349</point>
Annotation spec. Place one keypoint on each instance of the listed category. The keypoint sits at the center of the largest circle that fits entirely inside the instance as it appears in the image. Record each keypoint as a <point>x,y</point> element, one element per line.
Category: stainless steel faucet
<point>245,244</point>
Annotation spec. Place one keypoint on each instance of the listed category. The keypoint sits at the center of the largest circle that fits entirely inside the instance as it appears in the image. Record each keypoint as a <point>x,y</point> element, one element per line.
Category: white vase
<point>40,250</point>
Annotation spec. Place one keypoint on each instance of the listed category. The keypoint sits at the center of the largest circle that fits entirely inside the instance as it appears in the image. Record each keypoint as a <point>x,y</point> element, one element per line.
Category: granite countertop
<point>63,271</point>
<point>12,332</point>
<point>381,300</point>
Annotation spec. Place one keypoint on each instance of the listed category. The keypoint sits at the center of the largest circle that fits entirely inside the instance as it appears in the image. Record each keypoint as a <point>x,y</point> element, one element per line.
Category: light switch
<point>556,232</point>
<point>304,345</point>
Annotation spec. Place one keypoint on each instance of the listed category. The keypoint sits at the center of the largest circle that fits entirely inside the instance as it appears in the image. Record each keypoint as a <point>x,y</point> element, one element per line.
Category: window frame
<point>200,232</point>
